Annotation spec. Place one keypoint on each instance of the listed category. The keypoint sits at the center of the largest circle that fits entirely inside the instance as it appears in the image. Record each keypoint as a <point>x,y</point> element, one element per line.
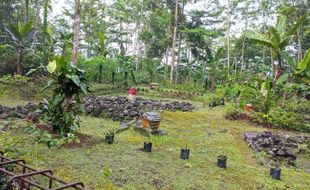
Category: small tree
<point>68,82</point>
<point>19,35</point>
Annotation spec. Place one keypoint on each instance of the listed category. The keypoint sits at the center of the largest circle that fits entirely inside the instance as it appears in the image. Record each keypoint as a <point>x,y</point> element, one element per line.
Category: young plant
<point>221,161</point>
<point>68,84</point>
<point>109,138</point>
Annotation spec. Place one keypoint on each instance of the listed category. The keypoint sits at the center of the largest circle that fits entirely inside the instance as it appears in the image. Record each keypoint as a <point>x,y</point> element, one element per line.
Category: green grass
<point>123,166</point>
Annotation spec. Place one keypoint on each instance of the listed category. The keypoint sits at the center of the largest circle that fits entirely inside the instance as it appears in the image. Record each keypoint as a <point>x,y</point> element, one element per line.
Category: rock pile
<point>117,108</point>
<point>275,145</point>
<point>18,111</point>
<point>120,108</point>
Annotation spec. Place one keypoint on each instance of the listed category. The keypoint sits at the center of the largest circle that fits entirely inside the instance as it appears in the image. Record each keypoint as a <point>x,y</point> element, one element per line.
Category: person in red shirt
<point>132,93</point>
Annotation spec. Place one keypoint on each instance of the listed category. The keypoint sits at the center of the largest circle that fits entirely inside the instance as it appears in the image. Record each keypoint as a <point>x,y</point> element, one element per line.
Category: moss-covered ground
<point>123,165</point>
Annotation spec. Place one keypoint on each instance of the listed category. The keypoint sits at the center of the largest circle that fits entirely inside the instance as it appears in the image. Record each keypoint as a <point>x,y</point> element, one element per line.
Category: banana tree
<point>213,60</point>
<point>19,35</point>
<point>303,68</point>
<point>277,38</point>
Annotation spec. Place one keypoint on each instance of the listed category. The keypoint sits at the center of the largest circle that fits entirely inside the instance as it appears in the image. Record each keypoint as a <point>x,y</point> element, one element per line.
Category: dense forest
<point>197,43</point>
<point>248,60</point>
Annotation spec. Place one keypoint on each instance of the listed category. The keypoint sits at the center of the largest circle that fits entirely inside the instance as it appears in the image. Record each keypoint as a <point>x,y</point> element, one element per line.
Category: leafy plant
<point>213,60</point>
<point>278,38</point>
<point>19,36</point>
<point>68,82</point>
<point>232,111</point>
<point>303,68</point>
<point>46,138</point>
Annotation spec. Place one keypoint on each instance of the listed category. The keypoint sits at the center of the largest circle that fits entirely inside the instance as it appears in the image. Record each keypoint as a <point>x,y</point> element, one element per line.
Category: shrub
<point>293,115</point>
<point>232,111</point>
<point>68,82</point>
<point>230,92</point>
<point>98,68</point>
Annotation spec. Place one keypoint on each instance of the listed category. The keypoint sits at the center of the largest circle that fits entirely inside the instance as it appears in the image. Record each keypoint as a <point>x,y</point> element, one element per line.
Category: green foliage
<point>68,83</point>
<point>155,33</point>
<point>10,146</point>
<point>303,68</point>
<point>49,139</point>
<point>254,96</point>
<point>230,92</point>
<point>19,36</point>
<point>102,45</point>
<point>13,79</point>
<point>278,36</point>
<point>292,115</point>
<point>232,111</point>
<point>92,68</point>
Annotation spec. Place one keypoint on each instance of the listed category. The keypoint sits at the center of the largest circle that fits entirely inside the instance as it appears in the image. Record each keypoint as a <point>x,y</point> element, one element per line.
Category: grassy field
<point>123,166</point>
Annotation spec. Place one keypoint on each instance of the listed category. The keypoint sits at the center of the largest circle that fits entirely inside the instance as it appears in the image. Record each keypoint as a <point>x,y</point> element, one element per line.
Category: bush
<point>293,115</point>
<point>7,60</point>
<point>13,79</point>
<point>232,111</point>
<point>260,118</point>
<point>230,92</point>
<point>98,69</point>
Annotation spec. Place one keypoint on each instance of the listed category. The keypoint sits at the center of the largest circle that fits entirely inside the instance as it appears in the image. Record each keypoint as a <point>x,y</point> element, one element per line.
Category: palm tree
<point>277,38</point>
<point>19,36</point>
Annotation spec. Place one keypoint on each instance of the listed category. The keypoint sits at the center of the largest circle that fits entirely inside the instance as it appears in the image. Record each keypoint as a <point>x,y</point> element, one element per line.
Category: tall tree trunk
<point>76,32</point>
<point>178,60</point>
<point>19,61</point>
<point>213,77</point>
<point>123,52</point>
<point>126,75</point>
<point>174,36</point>
<point>36,22</point>
<point>244,38</point>
<point>113,77</point>
<point>264,47</point>
<point>45,15</point>
<point>179,47</point>
<point>236,62</point>
<point>242,54</point>
<point>272,63</point>
<point>264,56</point>
<point>100,73</point>
<point>26,11</point>
<point>166,63</point>
<point>133,77</point>
<point>299,55</point>
<point>228,33</point>
<point>279,69</point>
